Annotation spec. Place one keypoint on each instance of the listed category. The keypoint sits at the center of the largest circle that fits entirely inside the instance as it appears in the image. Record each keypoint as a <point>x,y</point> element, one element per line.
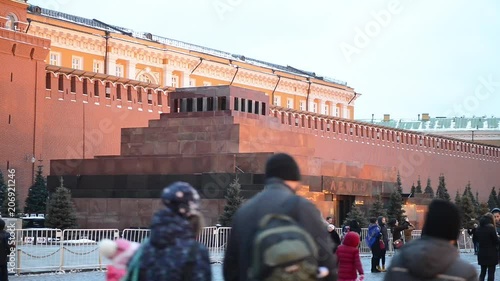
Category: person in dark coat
<point>282,180</point>
<point>335,236</point>
<point>172,251</point>
<point>433,256</point>
<point>348,258</point>
<point>385,237</point>
<point>396,230</point>
<point>354,226</point>
<point>487,239</point>
<point>5,250</point>
<point>472,232</point>
<point>408,231</point>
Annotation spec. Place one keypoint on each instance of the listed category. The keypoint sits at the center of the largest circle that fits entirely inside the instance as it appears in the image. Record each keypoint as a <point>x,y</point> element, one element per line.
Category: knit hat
<point>282,166</point>
<point>181,198</point>
<point>442,220</point>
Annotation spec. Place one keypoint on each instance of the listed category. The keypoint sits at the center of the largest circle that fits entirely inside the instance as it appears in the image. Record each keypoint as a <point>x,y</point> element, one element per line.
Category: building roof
<point>175,43</point>
<point>442,124</point>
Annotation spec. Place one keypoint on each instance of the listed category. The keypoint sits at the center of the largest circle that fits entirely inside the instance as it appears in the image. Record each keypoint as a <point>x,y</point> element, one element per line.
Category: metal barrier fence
<point>42,250</point>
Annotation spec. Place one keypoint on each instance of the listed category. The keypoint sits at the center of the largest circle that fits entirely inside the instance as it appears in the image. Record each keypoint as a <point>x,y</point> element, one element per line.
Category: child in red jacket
<point>348,258</point>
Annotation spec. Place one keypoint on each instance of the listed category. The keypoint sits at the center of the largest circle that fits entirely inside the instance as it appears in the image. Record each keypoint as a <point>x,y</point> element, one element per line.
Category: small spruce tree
<point>377,209</point>
<point>428,188</point>
<point>10,202</point>
<point>469,211</point>
<point>356,214</point>
<point>395,208</point>
<point>233,202</point>
<point>492,199</point>
<point>412,190</point>
<point>458,203</point>
<point>61,212</point>
<point>418,189</point>
<point>441,191</point>
<point>36,202</point>
<point>399,186</point>
<point>3,189</point>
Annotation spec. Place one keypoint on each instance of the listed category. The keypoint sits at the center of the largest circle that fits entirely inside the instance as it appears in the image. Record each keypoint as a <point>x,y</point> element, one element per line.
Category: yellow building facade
<point>95,47</point>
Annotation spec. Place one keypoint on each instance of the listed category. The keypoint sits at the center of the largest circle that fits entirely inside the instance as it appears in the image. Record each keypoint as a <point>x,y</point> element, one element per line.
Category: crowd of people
<point>278,235</point>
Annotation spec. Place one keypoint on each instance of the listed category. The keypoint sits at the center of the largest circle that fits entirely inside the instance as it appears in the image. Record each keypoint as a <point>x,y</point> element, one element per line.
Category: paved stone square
<point>216,271</point>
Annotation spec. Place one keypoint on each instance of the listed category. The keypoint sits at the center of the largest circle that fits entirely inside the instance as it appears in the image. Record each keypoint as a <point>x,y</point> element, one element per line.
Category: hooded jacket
<point>237,259</point>
<point>348,257</point>
<point>172,252</point>
<point>430,259</point>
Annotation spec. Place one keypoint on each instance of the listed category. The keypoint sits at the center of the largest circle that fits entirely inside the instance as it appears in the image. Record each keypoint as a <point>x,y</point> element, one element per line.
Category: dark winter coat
<point>336,239</point>
<point>383,229</point>
<point>472,232</point>
<point>4,247</point>
<point>245,225</point>
<point>407,232</point>
<point>172,252</point>
<point>429,259</point>
<point>348,257</point>
<point>396,231</point>
<point>488,241</point>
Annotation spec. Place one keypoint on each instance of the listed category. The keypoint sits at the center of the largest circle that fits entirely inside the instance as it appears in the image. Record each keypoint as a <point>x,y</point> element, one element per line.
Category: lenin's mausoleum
<point>121,114</point>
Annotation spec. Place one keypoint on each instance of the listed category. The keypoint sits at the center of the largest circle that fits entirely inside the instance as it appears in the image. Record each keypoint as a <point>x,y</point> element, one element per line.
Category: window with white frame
<point>289,103</point>
<point>302,105</point>
<point>315,107</point>
<point>337,111</point>
<point>98,66</point>
<point>277,101</point>
<point>325,109</point>
<point>175,81</point>
<point>206,84</point>
<point>347,113</point>
<point>55,58</point>
<point>119,70</point>
<point>76,62</point>
<point>192,82</point>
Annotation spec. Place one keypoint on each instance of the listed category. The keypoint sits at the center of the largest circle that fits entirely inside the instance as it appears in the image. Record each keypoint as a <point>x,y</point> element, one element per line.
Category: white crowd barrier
<point>49,250</point>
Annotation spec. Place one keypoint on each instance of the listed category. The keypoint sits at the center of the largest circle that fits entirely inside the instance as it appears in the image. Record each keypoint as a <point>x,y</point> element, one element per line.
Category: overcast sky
<point>405,57</point>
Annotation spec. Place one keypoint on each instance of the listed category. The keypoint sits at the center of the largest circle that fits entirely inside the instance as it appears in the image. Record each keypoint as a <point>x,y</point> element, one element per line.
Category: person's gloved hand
<point>361,277</point>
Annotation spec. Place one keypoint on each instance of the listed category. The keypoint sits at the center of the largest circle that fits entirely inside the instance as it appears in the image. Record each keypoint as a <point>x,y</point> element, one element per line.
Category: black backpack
<point>282,249</point>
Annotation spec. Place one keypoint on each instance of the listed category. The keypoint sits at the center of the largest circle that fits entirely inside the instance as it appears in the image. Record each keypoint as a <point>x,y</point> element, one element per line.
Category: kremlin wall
<point>118,132</point>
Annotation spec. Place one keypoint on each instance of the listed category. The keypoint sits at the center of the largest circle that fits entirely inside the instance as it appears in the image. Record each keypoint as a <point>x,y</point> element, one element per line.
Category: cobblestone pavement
<point>216,270</point>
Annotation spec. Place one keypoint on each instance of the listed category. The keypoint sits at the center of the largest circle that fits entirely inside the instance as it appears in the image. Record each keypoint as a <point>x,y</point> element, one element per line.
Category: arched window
<point>11,22</point>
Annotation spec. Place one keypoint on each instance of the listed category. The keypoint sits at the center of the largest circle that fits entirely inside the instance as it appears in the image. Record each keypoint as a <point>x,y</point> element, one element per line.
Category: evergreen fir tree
<point>36,202</point>
<point>377,208</point>
<point>492,199</point>
<point>469,211</point>
<point>441,191</point>
<point>395,208</point>
<point>418,189</point>
<point>428,188</point>
<point>3,189</point>
<point>356,214</point>
<point>61,212</point>
<point>399,186</point>
<point>8,209</point>
<point>458,202</point>
<point>233,202</point>
<point>412,190</point>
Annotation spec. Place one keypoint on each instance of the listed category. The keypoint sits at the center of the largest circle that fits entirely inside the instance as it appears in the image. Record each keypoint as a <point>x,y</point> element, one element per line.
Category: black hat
<point>282,166</point>
<point>442,220</point>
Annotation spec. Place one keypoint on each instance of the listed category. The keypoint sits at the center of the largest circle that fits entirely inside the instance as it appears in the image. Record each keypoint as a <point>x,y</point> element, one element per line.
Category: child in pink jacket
<point>119,252</point>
